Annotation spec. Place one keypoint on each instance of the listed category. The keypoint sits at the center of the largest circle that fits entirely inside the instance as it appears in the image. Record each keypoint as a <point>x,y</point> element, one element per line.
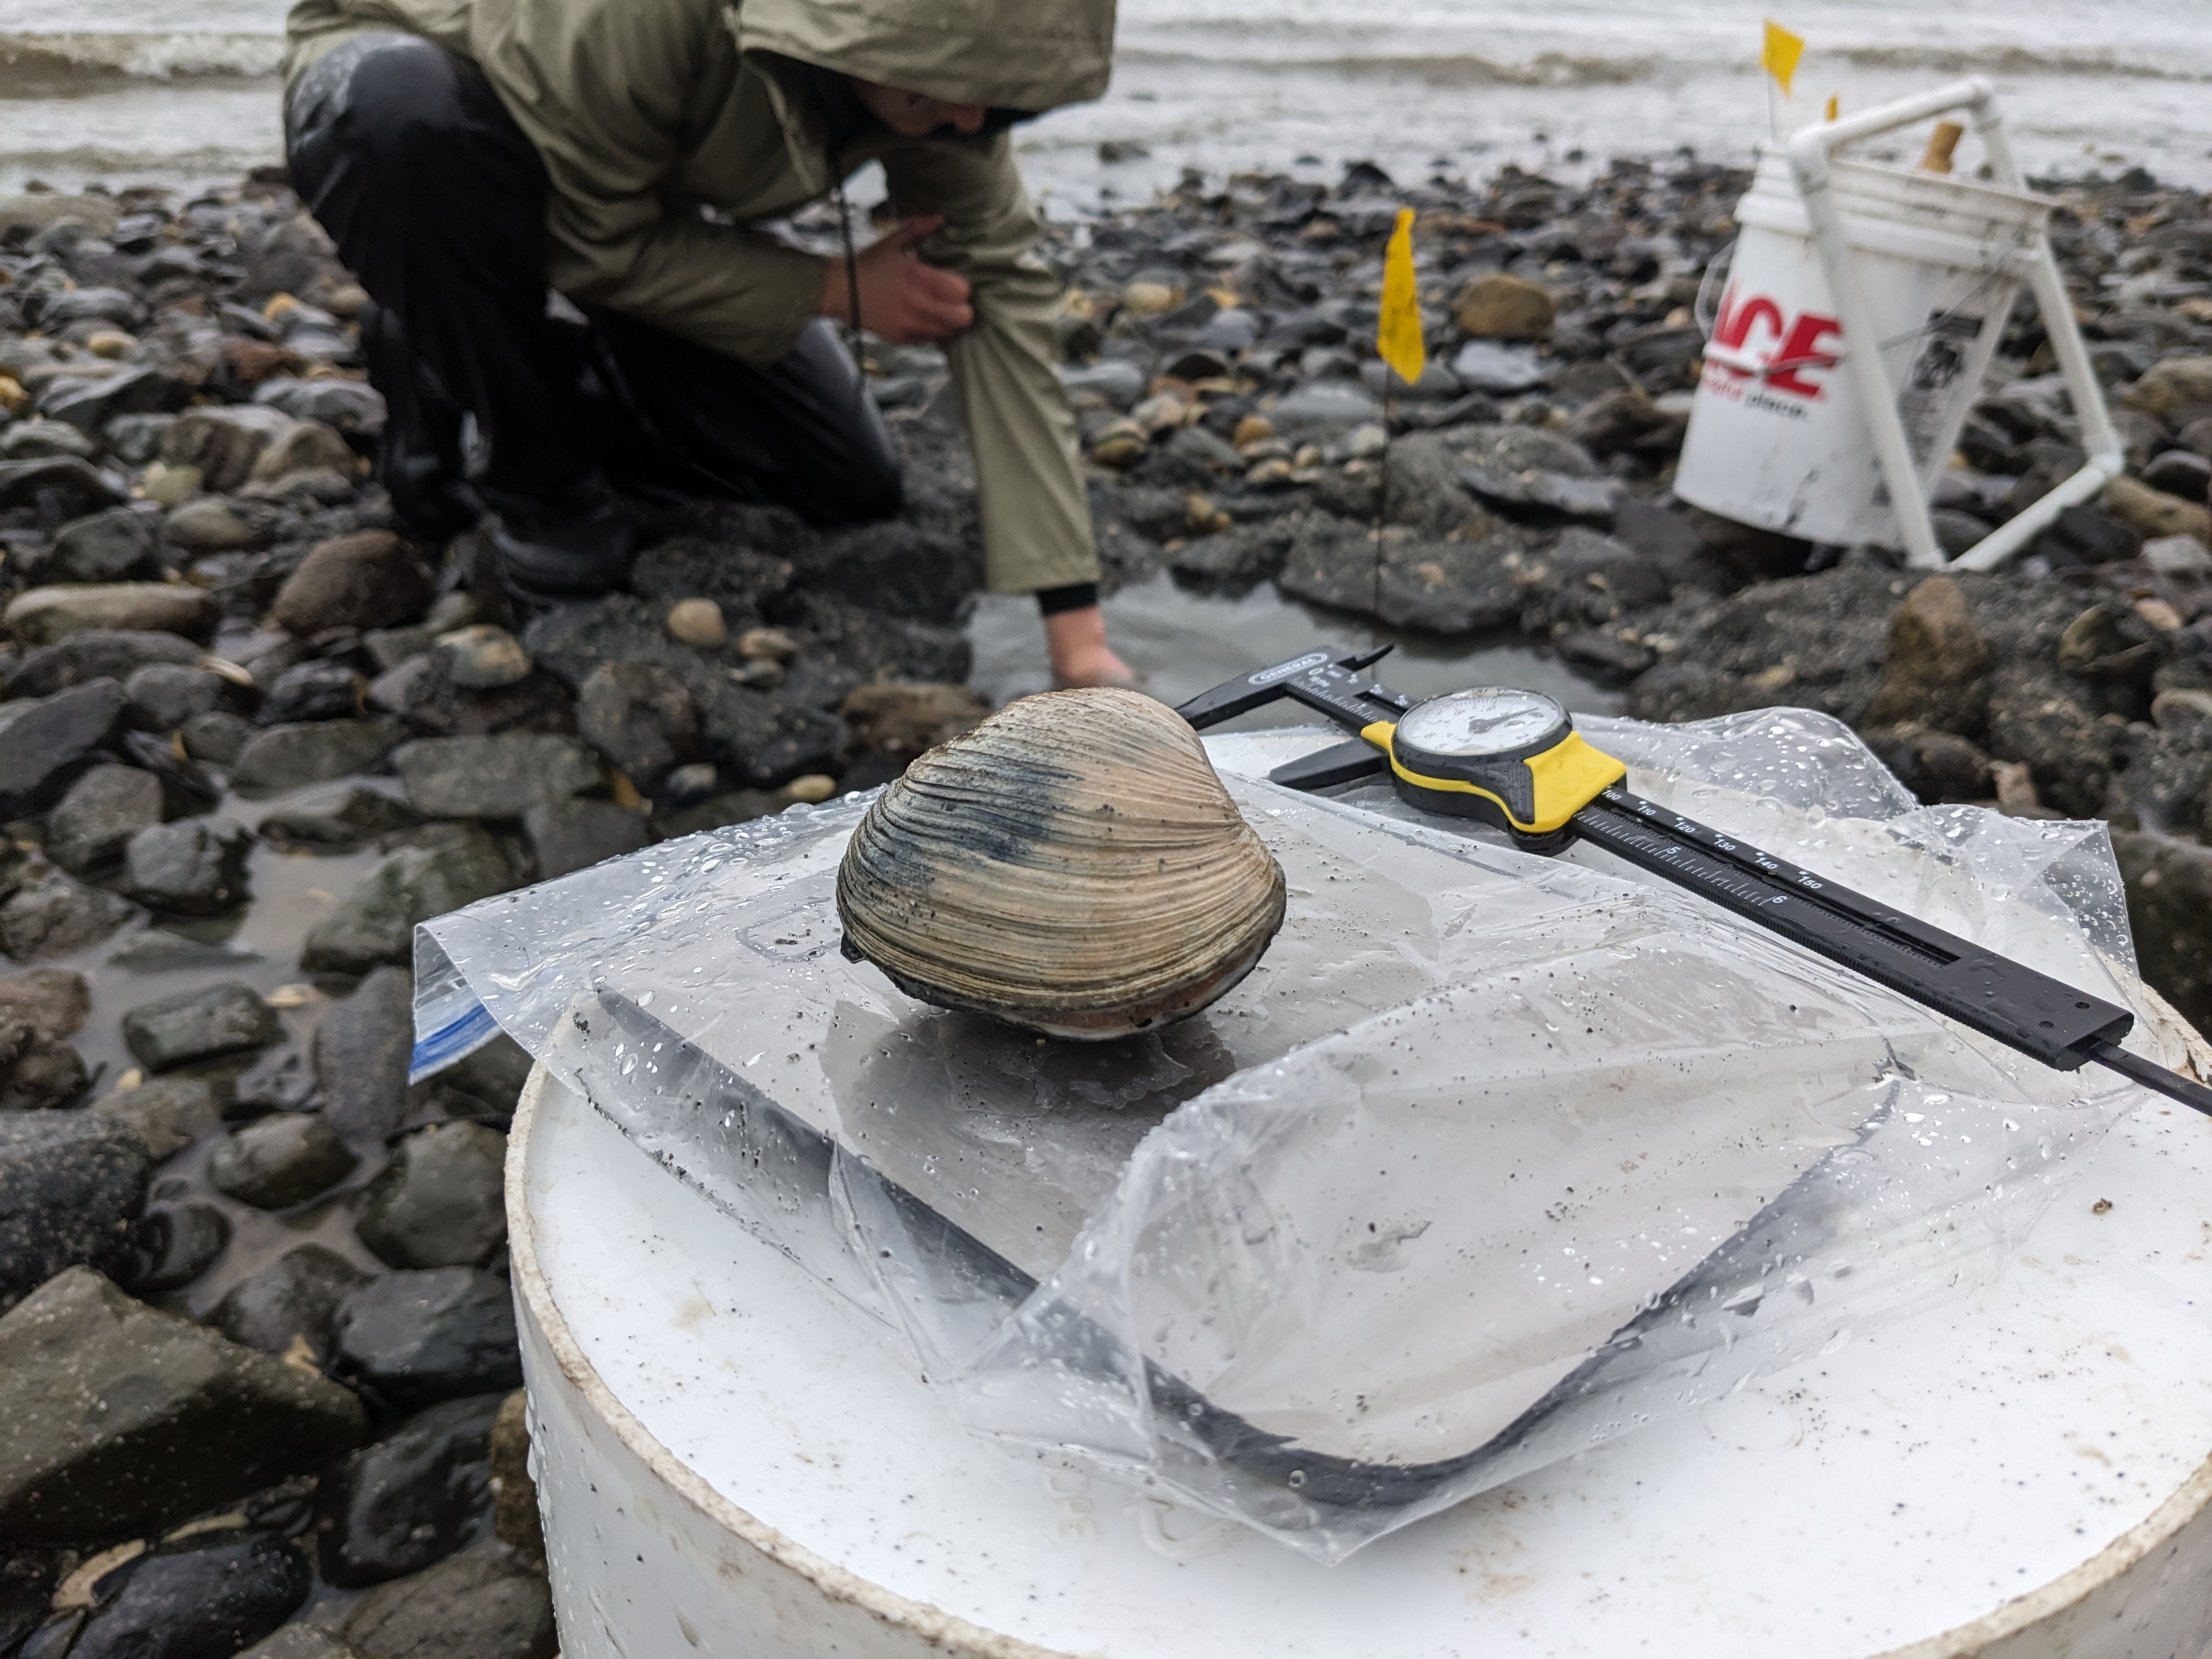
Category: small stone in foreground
<point>167,1113</point>
<point>314,752</point>
<point>211,1593</point>
<point>368,579</point>
<point>432,1334</point>
<point>300,1641</point>
<point>95,821</point>
<point>292,1299</point>
<point>361,1051</point>
<point>500,776</point>
<point>44,744</point>
<point>225,1019</point>
<point>44,615</point>
<point>276,1161</point>
<point>122,1418</point>
<point>479,1605</point>
<point>376,922</point>
<point>517,1520</point>
<point>439,1202</point>
<point>71,1185</point>
<point>411,1498</point>
<point>51,1001</point>
<point>194,867</point>
<point>50,915</point>
<point>574,834</point>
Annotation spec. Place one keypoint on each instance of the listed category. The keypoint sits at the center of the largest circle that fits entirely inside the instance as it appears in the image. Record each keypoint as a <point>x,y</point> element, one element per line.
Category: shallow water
<point>117,89</point>
<point>1184,643</point>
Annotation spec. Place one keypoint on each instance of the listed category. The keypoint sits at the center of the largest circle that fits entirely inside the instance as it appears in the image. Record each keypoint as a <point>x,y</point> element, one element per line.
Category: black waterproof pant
<point>437,202</point>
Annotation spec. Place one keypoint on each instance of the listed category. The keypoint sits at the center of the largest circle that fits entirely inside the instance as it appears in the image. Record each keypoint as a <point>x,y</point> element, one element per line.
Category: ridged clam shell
<point>1072,865</point>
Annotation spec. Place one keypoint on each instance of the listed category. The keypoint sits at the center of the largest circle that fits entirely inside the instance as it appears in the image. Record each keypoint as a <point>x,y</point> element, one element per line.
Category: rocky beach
<point>256,1348</point>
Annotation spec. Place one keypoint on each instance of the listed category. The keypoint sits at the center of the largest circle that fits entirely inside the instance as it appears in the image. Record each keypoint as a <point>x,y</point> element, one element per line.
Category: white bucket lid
<point>1933,217</point>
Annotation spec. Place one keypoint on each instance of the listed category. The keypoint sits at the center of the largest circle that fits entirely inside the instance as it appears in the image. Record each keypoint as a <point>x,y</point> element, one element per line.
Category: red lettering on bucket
<point>1797,348</point>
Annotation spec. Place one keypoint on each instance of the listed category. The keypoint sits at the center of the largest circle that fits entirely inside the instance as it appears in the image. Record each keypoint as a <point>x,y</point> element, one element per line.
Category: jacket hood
<point>1031,55</point>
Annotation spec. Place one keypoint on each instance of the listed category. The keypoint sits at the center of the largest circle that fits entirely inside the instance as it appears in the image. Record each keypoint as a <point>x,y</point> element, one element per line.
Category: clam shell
<point>1072,865</point>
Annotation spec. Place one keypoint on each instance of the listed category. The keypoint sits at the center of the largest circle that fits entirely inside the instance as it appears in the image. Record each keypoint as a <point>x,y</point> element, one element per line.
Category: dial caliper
<point>1512,759</point>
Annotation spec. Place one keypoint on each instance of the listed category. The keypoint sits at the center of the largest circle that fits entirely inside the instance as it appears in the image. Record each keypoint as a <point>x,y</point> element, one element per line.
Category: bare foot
<point>1080,655</point>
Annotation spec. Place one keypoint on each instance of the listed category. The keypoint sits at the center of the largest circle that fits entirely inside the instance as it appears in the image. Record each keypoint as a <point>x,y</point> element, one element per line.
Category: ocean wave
<point>2020,61</point>
<point>43,64</point>
<point>1545,69</point>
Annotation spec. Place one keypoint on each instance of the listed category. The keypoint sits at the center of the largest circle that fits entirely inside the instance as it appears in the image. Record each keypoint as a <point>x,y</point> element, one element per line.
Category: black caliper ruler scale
<point>1512,759</point>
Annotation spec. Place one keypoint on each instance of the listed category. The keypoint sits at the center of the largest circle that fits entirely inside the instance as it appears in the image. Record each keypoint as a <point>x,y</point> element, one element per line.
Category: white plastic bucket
<point>729,1463</point>
<point>1776,437</point>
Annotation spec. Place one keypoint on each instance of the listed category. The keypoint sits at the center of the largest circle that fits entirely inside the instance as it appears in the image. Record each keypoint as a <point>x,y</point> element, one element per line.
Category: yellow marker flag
<point>1398,330</point>
<point>1779,56</point>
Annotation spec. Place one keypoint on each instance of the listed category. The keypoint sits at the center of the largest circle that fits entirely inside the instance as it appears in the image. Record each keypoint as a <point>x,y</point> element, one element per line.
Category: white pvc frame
<point>1810,153</point>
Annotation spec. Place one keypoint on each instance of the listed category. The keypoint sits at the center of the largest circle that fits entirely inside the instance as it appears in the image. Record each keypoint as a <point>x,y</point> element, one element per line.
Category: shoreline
<point>249,735</point>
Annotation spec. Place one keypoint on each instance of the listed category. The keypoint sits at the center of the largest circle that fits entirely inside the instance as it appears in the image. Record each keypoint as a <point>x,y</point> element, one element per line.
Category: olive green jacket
<point>647,111</point>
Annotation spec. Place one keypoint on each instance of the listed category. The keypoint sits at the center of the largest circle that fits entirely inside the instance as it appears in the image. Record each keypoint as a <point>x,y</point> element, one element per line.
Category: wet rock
<point>202,1023</point>
<point>293,1299</point>
<point>301,1641</point>
<point>485,1085</point>
<point>319,751</point>
<point>411,1499</point>
<point>1496,307</point>
<point>318,690</point>
<point>37,1073</point>
<point>2067,750</point>
<point>124,1418</point>
<point>194,867</point>
<point>49,914</point>
<point>376,922</point>
<point>1235,559</point>
<point>218,738</point>
<point>207,523</point>
<point>640,717</point>
<point>2153,513</point>
<point>1424,489</point>
<point>176,1244</point>
<point>209,1594</point>
<point>1937,766</point>
<point>902,720</point>
<point>27,1582</point>
<point>276,1161</point>
<point>343,405</point>
<point>1816,642</point>
<point>113,546</point>
<point>222,440</point>
<point>2179,472</point>
<point>1322,409</point>
<point>1668,540</point>
<point>499,776</point>
<point>1484,366</point>
<point>74,487</point>
<point>483,657</point>
<point>167,1113</point>
<point>25,440</point>
<point>104,403</point>
<point>41,615</point>
<point>361,1052</point>
<point>46,742</point>
<point>281,1081</point>
<point>417,1337</point>
<point>2169,885</point>
<point>574,834</point>
<point>1520,465</point>
<point>1937,667</point>
<point>95,819</point>
<point>1435,587</point>
<point>71,1185</point>
<point>302,446</point>
<point>516,1521</point>
<point>439,1202</point>
<point>341,818</point>
<point>51,1001</point>
<point>2174,386</point>
<point>476,1604</point>
<point>164,695</point>
<point>94,653</point>
<point>368,579</point>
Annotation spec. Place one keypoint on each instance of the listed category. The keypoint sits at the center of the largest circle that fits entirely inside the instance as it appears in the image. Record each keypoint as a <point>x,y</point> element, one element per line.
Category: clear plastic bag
<point>1492,1159</point>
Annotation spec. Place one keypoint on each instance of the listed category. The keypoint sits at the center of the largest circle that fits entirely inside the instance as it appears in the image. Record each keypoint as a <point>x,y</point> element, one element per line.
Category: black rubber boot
<point>577,546</point>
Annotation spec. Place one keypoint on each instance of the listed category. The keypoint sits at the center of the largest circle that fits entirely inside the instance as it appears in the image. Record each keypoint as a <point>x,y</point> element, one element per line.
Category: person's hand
<point>902,299</point>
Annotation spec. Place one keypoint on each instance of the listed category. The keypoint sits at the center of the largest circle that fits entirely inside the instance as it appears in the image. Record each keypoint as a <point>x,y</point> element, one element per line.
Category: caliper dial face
<point>1485,721</point>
